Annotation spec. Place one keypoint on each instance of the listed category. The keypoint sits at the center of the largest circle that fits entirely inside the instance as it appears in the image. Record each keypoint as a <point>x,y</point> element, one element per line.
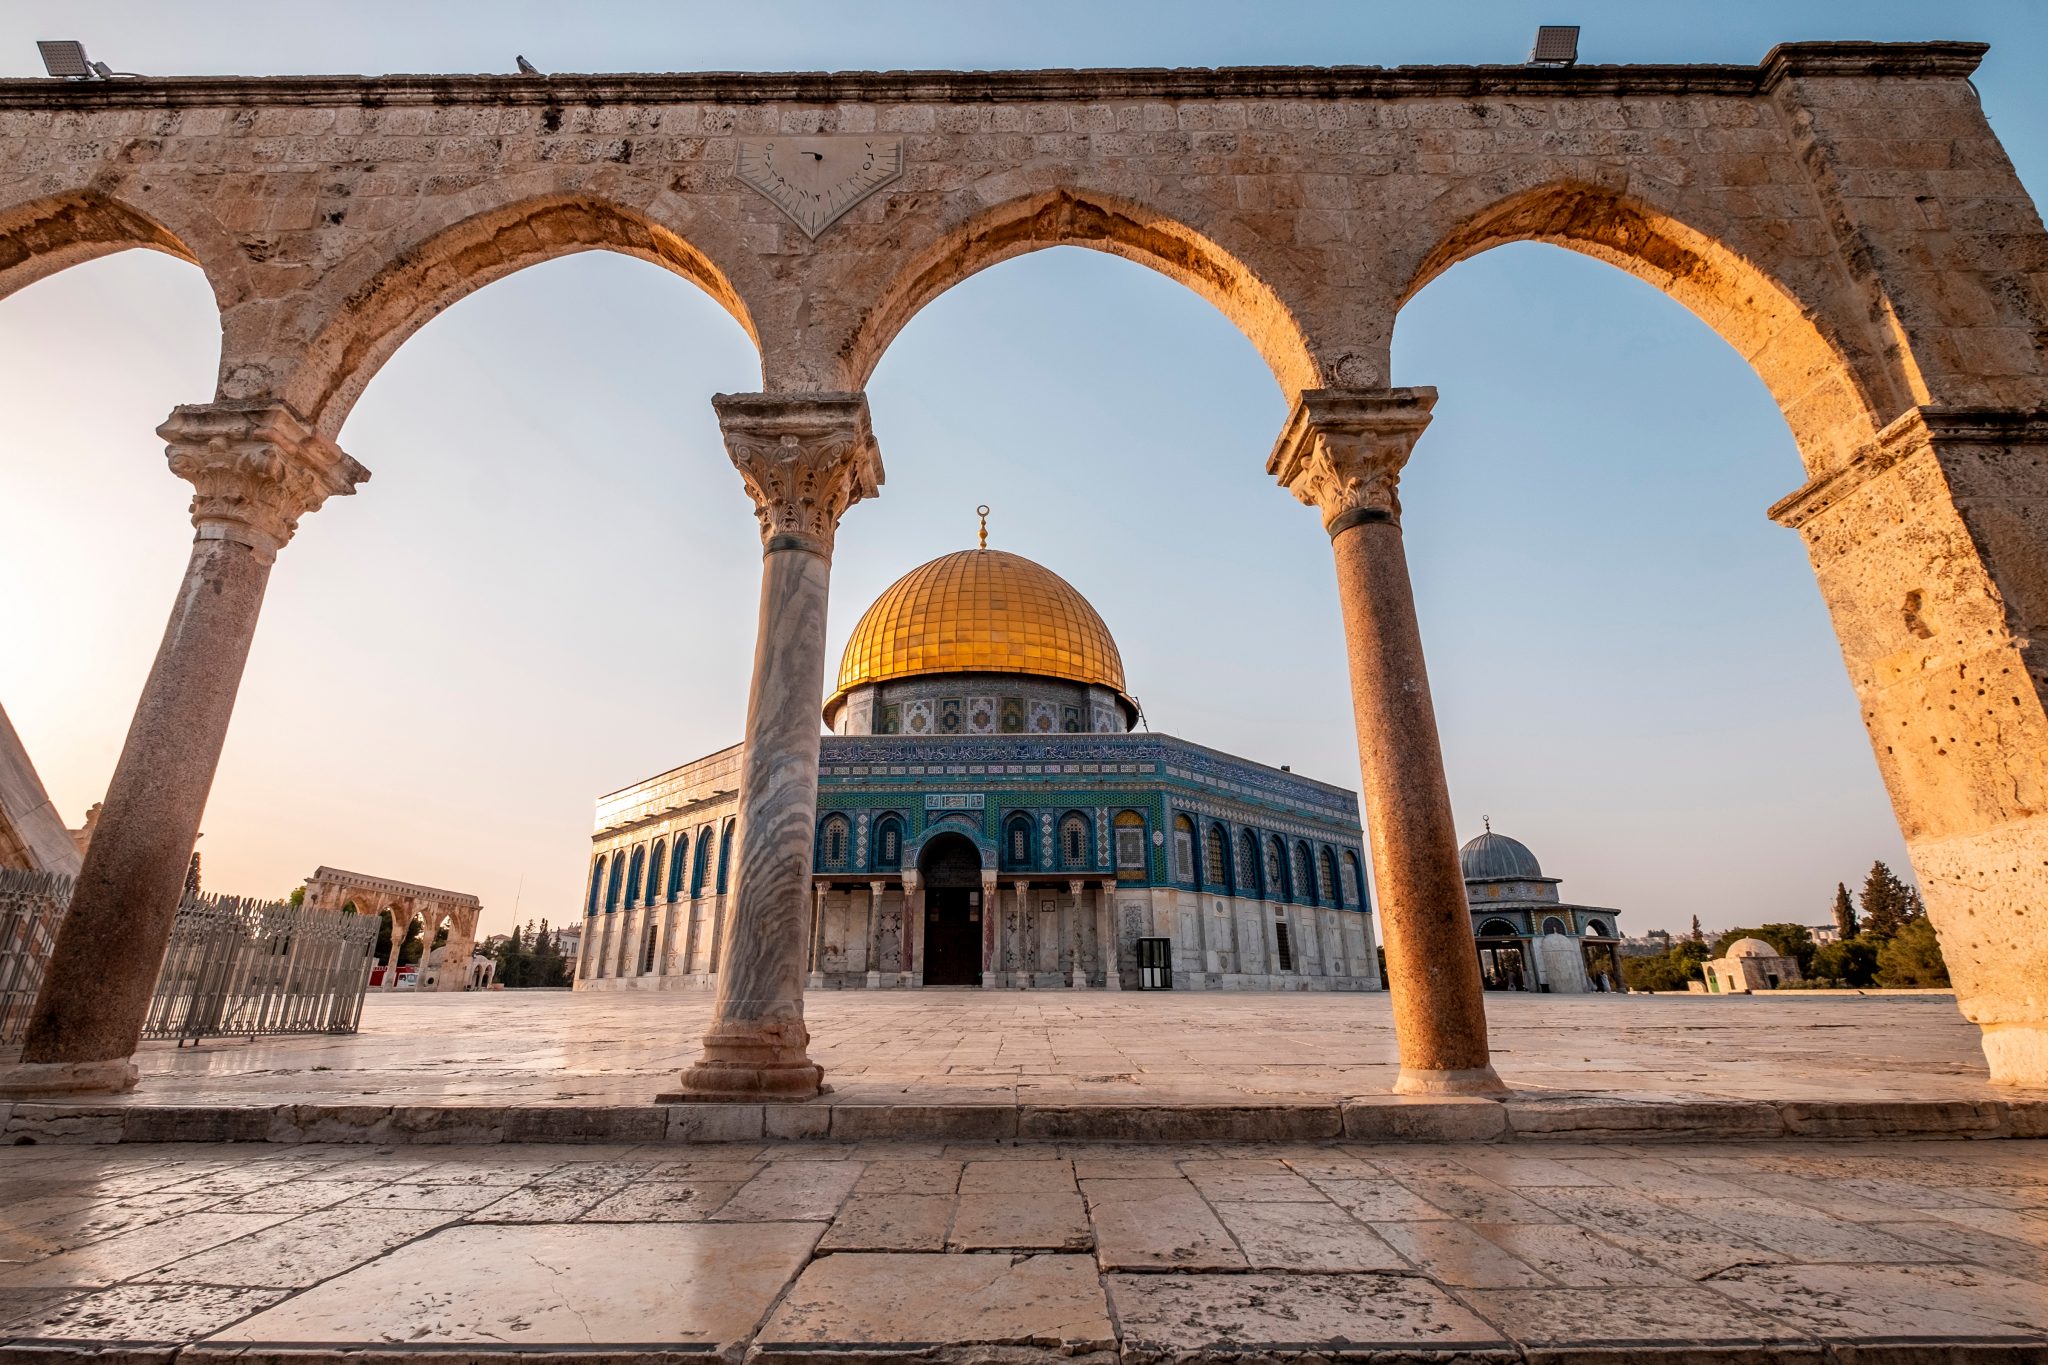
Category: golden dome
<point>981,611</point>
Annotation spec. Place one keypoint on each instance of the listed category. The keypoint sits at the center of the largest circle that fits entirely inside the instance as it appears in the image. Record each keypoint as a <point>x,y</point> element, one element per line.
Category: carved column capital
<point>1342,451</point>
<point>257,467</point>
<point>805,457</point>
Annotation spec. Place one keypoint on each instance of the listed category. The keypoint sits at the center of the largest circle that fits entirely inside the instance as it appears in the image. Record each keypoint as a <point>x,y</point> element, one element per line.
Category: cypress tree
<point>1888,903</point>
<point>1845,914</point>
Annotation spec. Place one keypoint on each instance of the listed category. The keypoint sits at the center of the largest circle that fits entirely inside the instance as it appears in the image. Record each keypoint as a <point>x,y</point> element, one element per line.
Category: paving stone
<point>1182,1316</point>
<point>701,1285</point>
<point>930,1301</point>
<point>1305,1237</point>
<point>1378,1200</point>
<point>445,1198</point>
<point>1402,1118</point>
<point>663,1201</point>
<point>1021,1220</point>
<point>1157,1225</point>
<point>1959,1242</point>
<point>299,1196</point>
<point>303,1251</point>
<point>1242,1180</point>
<point>1802,1235</point>
<point>890,1222</point>
<point>1573,1256</point>
<point>1659,1233</point>
<point>545,1203</point>
<point>1920,1303</point>
<point>989,1177</point>
<point>918,1175</point>
<point>141,1249</point>
<point>717,1170</point>
<point>143,1313</point>
<point>2018,1224</point>
<point>1628,1319</point>
<point>794,1190</point>
<point>1456,1254</point>
<point>1480,1200</point>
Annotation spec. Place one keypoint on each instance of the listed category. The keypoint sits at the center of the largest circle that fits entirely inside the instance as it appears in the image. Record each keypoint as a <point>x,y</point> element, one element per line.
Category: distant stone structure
<point>1750,965</point>
<point>331,888</point>
<point>32,835</point>
<point>1529,939</point>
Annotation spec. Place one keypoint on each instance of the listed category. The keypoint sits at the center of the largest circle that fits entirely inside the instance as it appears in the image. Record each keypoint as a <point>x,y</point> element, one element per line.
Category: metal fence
<point>234,967</point>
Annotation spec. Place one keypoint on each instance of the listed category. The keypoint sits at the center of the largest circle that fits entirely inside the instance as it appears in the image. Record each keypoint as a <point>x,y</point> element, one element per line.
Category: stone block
<point>2026,1118</point>
<point>1182,1123</point>
<point>592,1123</point>
<point>1891,1118</point>
<point>1405,1118</point>
<point>1673,1119</point>
<point>795,1121</point>
<point>197,1123</point>
<point>929,1122</point>
<point>714,1122</point>
<point>31,1123</point>
<point>330,1123</point>
<point>437,1123</point>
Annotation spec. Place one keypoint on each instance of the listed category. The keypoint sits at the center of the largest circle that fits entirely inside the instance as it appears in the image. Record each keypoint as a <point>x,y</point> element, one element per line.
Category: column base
<point>769,1062</point>
<point>24,1080</point>
<point>815,981</point>
<point>1477,1080</point>
<point>2018,1054</point>
<point>1079,981</point>
<point>874,981</point>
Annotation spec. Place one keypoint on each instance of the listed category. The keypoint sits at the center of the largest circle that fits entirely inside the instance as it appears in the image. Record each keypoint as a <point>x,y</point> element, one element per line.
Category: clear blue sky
<point>548,589</point>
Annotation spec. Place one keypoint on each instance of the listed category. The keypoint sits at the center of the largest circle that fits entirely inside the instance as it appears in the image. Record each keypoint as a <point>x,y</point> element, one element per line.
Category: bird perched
<point>527,68</point>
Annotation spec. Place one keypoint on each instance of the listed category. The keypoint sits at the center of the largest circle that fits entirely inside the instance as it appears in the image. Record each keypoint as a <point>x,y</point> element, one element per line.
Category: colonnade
<point>805,458</point>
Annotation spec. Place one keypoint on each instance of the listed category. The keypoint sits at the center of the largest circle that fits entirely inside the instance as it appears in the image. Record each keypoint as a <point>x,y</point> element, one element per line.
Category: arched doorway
<point>951,868</point>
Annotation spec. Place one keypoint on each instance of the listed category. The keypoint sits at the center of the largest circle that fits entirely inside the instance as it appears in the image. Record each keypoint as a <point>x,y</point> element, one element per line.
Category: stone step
<point>1384,1118</point>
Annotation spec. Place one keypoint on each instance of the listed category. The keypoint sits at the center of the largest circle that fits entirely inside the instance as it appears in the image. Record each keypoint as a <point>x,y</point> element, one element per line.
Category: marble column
<point>817,980</point>
<point>1342,453</point>
<point>1078,972</point>
<point>805,459</point>
<point>874,948</point>
<point>991,925</point>
<point>257,468</point>
<point>1106,938</point>
<point>913,930</point>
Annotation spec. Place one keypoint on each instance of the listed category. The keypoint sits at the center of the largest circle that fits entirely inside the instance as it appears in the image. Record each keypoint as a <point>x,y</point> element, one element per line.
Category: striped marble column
<point>805,459</point>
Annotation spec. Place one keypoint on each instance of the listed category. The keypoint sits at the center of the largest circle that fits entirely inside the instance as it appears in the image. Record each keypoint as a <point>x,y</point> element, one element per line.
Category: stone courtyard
<point>983,1251</point>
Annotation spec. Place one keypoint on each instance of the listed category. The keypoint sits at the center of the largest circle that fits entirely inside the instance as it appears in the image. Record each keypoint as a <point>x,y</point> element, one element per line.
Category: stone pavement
<point>1094,1047</point>
<point>799,1252</point>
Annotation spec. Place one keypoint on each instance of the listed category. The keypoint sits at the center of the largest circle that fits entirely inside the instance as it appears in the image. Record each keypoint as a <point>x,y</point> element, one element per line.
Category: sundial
<point>816,179</point>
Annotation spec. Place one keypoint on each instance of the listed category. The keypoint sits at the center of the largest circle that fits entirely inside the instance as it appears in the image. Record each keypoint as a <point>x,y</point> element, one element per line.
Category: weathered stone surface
<point>1895,1118</point>
<point>1168,1317</point>
<point>910,1300</point>
<point>1411,1118</point>
<point>1157,1224</point>
<point>1180,1123</point>
<point>1591,1118</point>
<point>953,1122</point>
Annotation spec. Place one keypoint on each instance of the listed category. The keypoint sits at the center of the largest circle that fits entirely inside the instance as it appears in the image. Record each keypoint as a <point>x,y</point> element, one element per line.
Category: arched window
<point>724,856</point>
<point>1554,925</point>
<point>1354,882</point>
<point>1304,873</point>
<point>703,863</point>
<point>1326,877</point>
<point>656,862</point>
<point>1278,886</point>
<point>596,883</point>
<point>1595,929</point>
<point>1250,866</point>
<point>677,866</point>
<point>1074,840</point>
<point>835,839</point>
<point>1130,841</point>
<point>1183,849</point>
<point>618,875</point>
<point>1216,854</point>
<point>1497,928</point>
<point>633,872</point>
<point>1017,841</point>
<point>888,843</point>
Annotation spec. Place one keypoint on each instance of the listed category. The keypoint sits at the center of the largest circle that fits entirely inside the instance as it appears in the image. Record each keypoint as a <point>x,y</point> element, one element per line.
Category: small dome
<point>1496,858</point>
<point>1751,947</point>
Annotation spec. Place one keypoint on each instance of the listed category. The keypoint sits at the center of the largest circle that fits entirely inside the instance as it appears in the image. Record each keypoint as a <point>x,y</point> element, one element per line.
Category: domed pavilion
<point>989,816</point>
<point>1530,939</point>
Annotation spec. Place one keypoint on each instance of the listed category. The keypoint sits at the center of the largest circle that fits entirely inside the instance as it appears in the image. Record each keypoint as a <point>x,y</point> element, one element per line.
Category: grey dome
<point>1496,858</point>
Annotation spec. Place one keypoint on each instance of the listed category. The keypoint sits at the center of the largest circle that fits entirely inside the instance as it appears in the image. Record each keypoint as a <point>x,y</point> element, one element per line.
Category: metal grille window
<point>1285,950</point>
<point>633,877</point>
<point>889,844</point>
<point>835,841</point>
<point>1326,877</point>
<point>1020,841</point>
<point>1130,841</point>
<point>1183,849</point>
<point>1216,851</point>
<point>1074,841</point>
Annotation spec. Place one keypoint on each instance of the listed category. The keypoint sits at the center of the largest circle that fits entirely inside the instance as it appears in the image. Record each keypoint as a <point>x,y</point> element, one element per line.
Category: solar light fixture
<point>1556,45</point>
<point>64,58</point>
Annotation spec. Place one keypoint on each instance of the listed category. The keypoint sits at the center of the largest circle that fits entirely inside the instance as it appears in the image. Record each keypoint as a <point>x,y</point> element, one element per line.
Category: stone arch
<point>1836,392</point>
<point>40,237</point>
<point>1070,216</point>
<point>373,319</point>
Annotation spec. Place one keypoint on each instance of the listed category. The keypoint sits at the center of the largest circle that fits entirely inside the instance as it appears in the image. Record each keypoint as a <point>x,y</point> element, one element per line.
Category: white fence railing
<point>234,967</point>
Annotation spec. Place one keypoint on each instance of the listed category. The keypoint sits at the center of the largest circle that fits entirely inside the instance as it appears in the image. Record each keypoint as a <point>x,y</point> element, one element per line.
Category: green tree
<point>297,898</point>
<point>1665,971</point>
<point>514,962</point>
<point>1792,940</point>
<point>1850,961</point>
<point>1889,905</point>
<point>1697,936</point>
<point>1845,914</point>
<point>1912,957</point>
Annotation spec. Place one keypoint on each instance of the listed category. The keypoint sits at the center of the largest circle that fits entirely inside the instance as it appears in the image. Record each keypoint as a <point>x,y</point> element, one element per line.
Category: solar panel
<point>63,57</point>
<point>1556,45</point>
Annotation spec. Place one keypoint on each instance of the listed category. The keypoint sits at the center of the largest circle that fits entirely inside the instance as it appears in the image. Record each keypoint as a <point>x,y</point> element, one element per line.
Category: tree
<point>1889,905</point>
<point>1912,957</point>
<point>1845,914</point>
<point>192,875</point>
<point>1791,940</point>
<point>298,897</point>
<point>1851,961</point>
<point>1665,971</point>
<point>1697,936</point>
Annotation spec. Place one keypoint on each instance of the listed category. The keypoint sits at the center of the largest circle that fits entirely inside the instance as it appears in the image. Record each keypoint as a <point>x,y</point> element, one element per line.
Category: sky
<point>547,592</point>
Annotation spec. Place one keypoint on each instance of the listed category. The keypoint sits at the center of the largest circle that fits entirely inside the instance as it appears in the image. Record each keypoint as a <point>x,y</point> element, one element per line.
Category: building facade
<point>988,817</point>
